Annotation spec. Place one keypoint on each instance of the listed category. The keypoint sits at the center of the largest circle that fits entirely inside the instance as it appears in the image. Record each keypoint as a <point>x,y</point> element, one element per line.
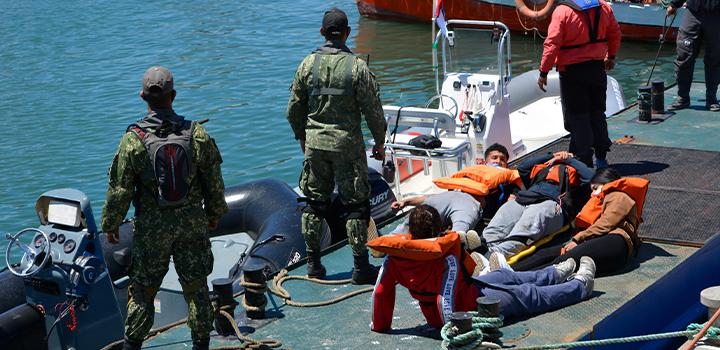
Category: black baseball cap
<point>334,22</point>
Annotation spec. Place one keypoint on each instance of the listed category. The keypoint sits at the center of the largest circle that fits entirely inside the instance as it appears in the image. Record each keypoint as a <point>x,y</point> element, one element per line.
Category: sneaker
<point>565,269</point>
<point>481,264</point>
<point>679,103</point>
<point>497,261</point>
<point>586,275</point>
<point>713,107</point>
<point>601,163</point>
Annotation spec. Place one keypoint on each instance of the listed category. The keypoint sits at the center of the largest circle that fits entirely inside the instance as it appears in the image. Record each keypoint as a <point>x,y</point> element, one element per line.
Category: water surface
<point>70,76</point>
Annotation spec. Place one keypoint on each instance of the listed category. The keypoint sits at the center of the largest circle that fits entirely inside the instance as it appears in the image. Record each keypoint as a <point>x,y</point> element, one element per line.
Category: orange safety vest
<point>404,246</point>
<point>479,180</point>
<point>634,187</point>
<point>553,174</point>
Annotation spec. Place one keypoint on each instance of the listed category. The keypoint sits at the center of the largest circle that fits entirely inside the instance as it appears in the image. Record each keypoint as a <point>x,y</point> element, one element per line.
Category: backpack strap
<point>137,130</point>
<point>347,90</point>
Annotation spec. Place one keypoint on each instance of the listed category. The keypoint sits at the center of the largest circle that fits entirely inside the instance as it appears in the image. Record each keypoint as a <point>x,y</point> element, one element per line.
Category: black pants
<point>696,28</point>
<point>583,92</point>
<point>610,253</point>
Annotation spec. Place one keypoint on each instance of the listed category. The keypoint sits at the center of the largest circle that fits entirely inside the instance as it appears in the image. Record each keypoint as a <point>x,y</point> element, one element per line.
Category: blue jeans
<point>530,292</point>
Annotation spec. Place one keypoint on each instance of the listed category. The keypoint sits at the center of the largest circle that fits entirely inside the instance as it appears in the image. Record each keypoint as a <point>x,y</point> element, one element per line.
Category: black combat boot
<point>201,344</point>
<point>315,269</point>
<point>131,345</point>
<point>364,273</point>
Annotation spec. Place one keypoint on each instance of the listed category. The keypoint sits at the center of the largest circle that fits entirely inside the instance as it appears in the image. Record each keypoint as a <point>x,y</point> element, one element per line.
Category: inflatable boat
<point>63,278</point>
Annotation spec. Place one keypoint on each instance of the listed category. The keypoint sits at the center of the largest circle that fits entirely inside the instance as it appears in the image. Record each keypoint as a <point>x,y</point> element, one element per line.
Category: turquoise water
<point>70,76</point>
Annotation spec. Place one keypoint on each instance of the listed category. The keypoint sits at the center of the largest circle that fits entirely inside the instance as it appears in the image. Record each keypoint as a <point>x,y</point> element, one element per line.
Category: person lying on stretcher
<point>435,269</point>
<point>537,211</point>
<point>475,192</point>
<point>607,225</point>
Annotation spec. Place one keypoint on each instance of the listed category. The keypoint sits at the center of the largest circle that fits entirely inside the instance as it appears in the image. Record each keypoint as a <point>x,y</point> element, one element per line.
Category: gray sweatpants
<point>698,28</point>
<point>526,222</point>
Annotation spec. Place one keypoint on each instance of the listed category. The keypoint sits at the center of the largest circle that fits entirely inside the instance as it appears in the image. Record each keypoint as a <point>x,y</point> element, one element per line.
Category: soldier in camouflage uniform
<point>180,231</point>
<point>332,88</point>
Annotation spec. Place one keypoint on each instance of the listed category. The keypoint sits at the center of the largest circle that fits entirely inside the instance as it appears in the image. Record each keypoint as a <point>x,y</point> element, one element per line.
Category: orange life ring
<point>535,14</point>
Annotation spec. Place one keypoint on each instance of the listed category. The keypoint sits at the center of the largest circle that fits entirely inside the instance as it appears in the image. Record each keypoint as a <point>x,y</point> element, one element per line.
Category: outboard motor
<point>65,275</point>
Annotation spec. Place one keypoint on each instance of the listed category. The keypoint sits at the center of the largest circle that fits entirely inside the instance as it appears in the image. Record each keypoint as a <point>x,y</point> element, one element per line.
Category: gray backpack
<point>171,156</point>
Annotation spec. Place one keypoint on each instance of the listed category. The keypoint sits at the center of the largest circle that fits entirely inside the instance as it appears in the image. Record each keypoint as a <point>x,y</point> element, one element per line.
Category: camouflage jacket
<point>132,179</point>
<point>332,122</point>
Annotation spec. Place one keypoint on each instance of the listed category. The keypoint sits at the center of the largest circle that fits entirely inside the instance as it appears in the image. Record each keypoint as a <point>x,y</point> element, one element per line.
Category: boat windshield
<point>474,51</point>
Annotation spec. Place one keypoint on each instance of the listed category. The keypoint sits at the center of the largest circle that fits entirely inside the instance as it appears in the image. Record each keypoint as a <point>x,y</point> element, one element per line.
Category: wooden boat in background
<point>638,21</point>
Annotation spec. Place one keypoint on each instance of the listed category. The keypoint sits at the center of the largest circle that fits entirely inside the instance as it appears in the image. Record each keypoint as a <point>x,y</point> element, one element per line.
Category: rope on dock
<point>282,277</point>
<point>473,339</point>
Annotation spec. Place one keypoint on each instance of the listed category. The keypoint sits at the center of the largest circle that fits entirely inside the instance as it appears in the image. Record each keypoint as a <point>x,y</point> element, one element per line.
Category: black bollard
<point>223,290</point>
<point>462,321</point>
<point>255,300</point>
<point>644,103</point>
<point>658,97</point>
<point>490,307</point>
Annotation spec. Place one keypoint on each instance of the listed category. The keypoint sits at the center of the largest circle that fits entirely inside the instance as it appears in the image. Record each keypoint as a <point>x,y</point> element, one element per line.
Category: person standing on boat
<point>582,41</point>
<point>701,23</point>
<point>169,167</point>
<point>331,90</point>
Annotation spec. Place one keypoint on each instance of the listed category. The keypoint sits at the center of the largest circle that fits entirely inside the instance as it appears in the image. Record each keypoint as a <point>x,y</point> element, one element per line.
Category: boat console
<point>64,273</point>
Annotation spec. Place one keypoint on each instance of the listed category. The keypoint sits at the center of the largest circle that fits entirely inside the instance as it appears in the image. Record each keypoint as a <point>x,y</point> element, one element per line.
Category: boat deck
<point>680,156</point>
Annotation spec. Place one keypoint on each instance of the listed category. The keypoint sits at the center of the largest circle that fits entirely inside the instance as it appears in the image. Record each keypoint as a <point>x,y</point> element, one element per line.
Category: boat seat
<point>437,122</point>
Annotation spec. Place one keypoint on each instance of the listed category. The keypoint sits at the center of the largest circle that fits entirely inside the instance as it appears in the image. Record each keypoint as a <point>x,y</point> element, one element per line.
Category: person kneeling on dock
<point>435,270</point>
<point>539,210</point>
<point>608,225</point>
<point>474,192</point>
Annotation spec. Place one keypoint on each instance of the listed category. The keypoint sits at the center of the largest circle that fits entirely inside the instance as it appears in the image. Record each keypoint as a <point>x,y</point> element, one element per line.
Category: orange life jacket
<point>404,246</point>
<point>634,187</point>
<point>479,180</point>
<point>553,174</point>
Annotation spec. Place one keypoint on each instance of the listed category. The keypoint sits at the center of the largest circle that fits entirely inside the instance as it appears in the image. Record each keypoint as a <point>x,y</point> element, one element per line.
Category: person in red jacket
<point>443,285</point>
<point>582,41</point>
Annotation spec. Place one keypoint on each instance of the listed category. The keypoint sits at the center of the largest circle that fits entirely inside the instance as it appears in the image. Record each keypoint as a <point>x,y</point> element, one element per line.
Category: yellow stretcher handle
<point>533,247</point>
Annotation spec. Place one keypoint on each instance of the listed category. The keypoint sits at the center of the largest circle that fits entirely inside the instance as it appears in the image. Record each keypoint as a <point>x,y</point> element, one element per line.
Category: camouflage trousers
<point>182,235</point>
<point>321,171</point>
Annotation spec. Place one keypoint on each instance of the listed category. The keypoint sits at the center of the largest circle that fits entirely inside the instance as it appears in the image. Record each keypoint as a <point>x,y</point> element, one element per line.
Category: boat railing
<point>503,52</point>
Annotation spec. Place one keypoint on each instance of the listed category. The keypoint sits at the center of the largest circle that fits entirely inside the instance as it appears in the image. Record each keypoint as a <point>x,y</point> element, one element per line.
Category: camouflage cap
<point>334,22</point>
<point>159,77</point>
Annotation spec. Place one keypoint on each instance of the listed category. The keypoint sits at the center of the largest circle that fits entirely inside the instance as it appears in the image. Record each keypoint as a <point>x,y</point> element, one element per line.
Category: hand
<point>302,146</point>
<point>609,63</point>
<point>568,247</point>
<point>542,82</point>
<point>213,223</point>
<point>671,11</point>
<point>559,156</point>
<point>397,205</point>
<point>113,237</point>
<point>378,151</point>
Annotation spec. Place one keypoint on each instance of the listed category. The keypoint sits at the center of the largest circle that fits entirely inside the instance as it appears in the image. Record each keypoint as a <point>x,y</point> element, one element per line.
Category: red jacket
<point>442,286</point>
<point>570,27</point>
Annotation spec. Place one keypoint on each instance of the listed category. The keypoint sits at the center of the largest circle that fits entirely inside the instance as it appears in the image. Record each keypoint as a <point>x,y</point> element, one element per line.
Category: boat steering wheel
<point>29,264</point>
<point>452,110</point>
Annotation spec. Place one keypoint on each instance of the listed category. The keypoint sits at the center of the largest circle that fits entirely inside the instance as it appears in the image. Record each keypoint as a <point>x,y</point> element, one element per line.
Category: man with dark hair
<point>331,90</point>
<point>700,26</point>
<point>497,154</point>
<point>169,167</point>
